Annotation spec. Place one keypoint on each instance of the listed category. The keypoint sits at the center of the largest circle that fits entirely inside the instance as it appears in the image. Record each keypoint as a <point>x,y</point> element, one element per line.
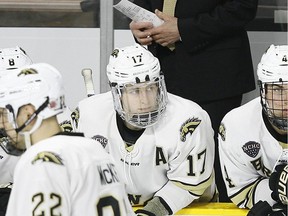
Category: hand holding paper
<point>136,13</point>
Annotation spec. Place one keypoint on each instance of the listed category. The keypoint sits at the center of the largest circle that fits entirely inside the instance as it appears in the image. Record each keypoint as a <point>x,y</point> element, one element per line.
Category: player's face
<point>140,98</point>
<point>277,99</point>
<point>7,129</point>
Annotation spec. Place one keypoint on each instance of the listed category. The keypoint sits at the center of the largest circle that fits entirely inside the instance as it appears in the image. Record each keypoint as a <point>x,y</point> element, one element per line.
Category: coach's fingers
<point>141,32</point>
<point>145,41</point>
<point>141,26</point>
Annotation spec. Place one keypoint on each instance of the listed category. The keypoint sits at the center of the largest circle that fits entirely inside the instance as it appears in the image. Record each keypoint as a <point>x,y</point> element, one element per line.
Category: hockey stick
<point>89,86</point>
<point>88,81</point>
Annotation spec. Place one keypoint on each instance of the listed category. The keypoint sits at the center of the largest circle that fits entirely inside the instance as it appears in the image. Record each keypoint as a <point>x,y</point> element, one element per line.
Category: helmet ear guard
<point>272,72</point>
<point>133,66</point>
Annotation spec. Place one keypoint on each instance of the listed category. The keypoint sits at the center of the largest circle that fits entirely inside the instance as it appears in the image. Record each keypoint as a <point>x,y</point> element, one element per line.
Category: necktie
<point>169,9</point>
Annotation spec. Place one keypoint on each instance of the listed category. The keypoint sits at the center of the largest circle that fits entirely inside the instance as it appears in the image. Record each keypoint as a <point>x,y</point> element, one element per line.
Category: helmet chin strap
<point>34,115</point>
<point>27,134</point>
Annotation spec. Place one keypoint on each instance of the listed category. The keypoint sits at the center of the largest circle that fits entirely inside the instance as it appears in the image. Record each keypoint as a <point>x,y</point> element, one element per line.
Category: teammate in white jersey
<point>60,173</point>
<point>10,58</point>
<point>253,141</point>
<point>162,143</point>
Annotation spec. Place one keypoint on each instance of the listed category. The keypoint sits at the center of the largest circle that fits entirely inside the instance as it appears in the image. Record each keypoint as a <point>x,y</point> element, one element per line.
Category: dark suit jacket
<point>213,60</point>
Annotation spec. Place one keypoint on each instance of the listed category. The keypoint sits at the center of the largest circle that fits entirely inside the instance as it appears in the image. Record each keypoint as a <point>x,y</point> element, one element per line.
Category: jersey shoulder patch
<point>188,127</point>
<point>48,157</point>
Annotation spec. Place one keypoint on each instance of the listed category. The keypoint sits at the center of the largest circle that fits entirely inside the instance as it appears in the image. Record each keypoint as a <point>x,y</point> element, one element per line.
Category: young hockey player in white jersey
<point>60,173</point>
<point>253,141</point>
<point>10,58</point>
<point>162,143</point>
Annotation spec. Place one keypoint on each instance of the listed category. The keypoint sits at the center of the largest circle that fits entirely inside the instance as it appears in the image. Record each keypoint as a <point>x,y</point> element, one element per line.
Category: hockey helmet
<point>39,85</point>
<point>272,75</point>
<point>131,67</point>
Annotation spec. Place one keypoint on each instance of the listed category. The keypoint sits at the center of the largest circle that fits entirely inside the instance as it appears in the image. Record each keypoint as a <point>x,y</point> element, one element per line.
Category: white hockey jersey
<point>248,154</point>
<point>69,176</point>
<point>172,159</point>
<point>8,162</point>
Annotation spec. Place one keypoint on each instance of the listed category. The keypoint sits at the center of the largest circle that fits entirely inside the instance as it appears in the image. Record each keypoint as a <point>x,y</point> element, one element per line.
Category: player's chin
<point>145,110</point>
<point>282,114</point>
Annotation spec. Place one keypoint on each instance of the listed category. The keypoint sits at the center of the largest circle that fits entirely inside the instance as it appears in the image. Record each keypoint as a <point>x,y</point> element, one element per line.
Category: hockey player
<point>162,143</point>
<point>10,58</point>
<point>253,141</point>
<point>60,173</point>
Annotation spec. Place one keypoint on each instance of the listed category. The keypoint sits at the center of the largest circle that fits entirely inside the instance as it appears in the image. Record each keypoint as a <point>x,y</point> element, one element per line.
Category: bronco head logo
<point>188,127</point>
<point>27,72</point>
<point>115,53</point>
<point>48,157</point>
<point>66,126</point>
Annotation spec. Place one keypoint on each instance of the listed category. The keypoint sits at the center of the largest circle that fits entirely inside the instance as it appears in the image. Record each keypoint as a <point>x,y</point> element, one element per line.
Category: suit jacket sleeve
<point>202,22</point>
<point>224,20</point>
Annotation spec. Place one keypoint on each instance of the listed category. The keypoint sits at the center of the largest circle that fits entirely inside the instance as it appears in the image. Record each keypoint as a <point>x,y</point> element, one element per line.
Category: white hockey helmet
<point>13,58</point>
<point>273,70</point>
<point>39,85</point>
<point>133,65</point>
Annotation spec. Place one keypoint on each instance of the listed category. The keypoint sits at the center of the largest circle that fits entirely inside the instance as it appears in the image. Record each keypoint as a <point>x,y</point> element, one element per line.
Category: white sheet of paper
<point>136,13</point>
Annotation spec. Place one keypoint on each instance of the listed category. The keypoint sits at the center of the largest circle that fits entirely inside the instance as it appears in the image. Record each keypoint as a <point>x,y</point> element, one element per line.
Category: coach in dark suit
<point>211,63</point>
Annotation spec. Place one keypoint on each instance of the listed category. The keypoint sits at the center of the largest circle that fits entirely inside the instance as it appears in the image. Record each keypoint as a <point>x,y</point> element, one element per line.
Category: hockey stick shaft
<point>88,81</point>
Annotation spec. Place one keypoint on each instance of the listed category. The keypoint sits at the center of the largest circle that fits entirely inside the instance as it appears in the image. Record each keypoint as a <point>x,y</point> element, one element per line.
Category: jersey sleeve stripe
<point>246,195</point>
<point>196,190</point>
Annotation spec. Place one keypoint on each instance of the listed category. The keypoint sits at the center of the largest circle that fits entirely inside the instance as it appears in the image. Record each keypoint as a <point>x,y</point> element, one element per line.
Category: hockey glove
<point>262,208</point>
<point>279,209</point>
<point>142,212</point>
<point>278,184</point>
<point>154,207</point>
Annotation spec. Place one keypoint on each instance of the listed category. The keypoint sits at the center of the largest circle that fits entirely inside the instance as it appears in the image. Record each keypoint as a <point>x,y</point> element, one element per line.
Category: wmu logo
<point>48,157</point>
<point>27,72</point>
<point>102,140</point>
<point>188,127</point>
<point>222,131</point>
<point>251,148</point>
<point>66,126</point>
<point>115,53</point>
